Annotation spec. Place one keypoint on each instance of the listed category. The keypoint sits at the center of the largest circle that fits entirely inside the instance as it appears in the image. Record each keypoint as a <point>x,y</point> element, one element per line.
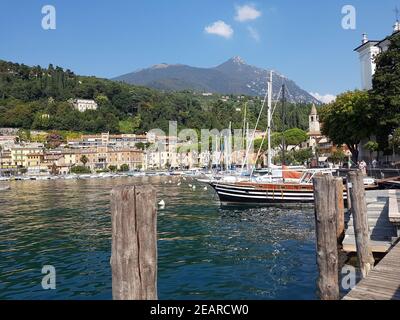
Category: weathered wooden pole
<point>339,208</point>
<point>360,218</point>
<point>348,195</point>
<point>134,243</point>
<point>327,252</point>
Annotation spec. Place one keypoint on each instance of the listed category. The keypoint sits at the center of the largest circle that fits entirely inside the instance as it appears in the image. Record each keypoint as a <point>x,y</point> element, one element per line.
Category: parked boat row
<point>278,184</point>
<point>104,175</point>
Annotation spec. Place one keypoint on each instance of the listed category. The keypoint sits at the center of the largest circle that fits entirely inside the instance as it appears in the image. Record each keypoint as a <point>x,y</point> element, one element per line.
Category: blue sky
<point>303,39</point>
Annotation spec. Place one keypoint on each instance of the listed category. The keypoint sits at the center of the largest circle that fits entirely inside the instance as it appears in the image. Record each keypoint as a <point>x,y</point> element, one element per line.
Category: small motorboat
<point>4,187</point>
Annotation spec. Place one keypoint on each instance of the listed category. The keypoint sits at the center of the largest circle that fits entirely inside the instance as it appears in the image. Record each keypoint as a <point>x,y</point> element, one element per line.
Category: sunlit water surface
<point>205,251</point>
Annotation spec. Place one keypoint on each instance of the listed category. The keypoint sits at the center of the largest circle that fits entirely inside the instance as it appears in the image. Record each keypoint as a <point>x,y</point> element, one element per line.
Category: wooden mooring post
<point>339,208</point>
<point>134,243</point>
<point>326,231</point>
<point>360,217</point>
<point>348,196</point>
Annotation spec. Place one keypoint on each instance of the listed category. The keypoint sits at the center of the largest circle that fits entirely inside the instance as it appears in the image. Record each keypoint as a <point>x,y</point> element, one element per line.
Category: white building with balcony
<point>83,105</point>
<point>368,51</point>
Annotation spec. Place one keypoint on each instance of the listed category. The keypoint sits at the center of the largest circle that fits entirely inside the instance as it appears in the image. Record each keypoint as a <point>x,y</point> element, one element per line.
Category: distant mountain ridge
<point>234,76</point>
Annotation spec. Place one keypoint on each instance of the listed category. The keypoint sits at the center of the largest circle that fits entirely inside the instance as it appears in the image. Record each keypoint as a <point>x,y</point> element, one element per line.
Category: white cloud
<point>254,33</point>
<point>247,13</point>
<point>327,98</point>
<point>220,28</point>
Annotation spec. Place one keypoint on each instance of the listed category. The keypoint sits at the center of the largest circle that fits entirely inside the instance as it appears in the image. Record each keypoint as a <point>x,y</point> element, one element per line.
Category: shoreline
<point>98,176</point>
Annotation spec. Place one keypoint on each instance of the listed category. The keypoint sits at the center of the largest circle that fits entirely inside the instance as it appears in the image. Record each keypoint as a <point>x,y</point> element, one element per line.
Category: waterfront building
<point>101,158</point>
<point>9,132</point>
<point>6,160</point>
<point>131,157</point>
<point>56,163</point>
<point>35,164</point>
<point>25,154</point>
<point>106,139</point>
<point>321,145</point>
<point>8,141</point>
<point>368,50</point>
<point>83,105</point>
<point>314,131</point>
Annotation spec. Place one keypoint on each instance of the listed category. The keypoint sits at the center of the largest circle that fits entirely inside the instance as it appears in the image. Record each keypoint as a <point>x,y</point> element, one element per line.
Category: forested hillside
<point>39,98</point>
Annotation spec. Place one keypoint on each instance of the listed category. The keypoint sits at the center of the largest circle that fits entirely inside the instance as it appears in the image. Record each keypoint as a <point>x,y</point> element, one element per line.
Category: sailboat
<point>281,185</point>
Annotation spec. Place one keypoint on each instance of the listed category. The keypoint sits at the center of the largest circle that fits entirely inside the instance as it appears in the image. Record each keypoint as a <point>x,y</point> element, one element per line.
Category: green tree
<point>142,146</point>
<point>80,170</point>
<point>385,95</point>
<point>129,125</point>
<point>303,155</point>
<point>294,137</point>
<point>264,146</point>
<point>102,101</point>
<point>396,139</point>
<point>346,121</point>
<point>371,146</point>
<point>124,168</point>
<point>24,135</point>
<point>84,160</point>
<point>112,168</point>
<point>338,156</point>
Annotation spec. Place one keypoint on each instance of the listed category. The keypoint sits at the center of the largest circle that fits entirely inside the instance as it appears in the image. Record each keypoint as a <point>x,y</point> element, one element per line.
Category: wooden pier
<point>383,282</point>
<point>383,221</point>
<point>371,226</point>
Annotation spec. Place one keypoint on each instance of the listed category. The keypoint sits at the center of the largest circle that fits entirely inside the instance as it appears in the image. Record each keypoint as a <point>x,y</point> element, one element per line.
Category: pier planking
<point>382,211</point>
<point>383,282</point>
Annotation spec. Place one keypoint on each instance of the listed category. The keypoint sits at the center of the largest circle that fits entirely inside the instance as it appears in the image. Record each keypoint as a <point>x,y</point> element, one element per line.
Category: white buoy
<point>161,204</point>
<point>179,184</point>
<point>194,187</point>
<point>170,181</point>
<point>205,189</point>
<point>190,186</point>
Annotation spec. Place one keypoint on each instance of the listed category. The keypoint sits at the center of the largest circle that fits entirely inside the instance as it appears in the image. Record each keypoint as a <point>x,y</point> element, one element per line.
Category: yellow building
<point>101,158</point>
<point>26,155</point>
<point>6,160</point>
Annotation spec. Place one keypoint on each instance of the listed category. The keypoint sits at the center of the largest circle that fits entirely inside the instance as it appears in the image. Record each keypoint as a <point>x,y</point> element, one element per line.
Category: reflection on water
<point>205,251</point>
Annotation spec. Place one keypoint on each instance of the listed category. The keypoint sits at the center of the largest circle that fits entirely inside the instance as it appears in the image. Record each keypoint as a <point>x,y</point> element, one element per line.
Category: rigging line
<point>273,110</point>
<point>254,132</point>
<point>266,132</point>
<point>276,101</point>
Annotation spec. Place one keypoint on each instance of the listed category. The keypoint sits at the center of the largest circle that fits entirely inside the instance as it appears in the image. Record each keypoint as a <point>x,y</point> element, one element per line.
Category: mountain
<point>234,76</point>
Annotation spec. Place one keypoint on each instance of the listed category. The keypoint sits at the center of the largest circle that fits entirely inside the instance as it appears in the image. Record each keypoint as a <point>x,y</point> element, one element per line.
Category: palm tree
<point>84,160</point>
<point>372,147</point>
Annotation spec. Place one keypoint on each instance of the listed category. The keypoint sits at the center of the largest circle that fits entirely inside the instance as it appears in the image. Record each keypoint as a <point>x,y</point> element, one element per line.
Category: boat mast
<point>283,125</point>
<point>244,134</point>
<point>230,146</point>
<point>269,88</point>
<point>248,142</point>
<point>244,120</point>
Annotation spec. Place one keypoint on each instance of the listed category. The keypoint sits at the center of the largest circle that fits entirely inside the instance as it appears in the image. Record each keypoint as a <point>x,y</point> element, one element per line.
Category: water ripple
<point>205,251</point>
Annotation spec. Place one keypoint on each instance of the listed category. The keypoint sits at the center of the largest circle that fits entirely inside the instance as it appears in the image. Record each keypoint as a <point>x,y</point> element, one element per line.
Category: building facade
<point>26,154</point>
<point>83,105</point>
<point>368,50</point>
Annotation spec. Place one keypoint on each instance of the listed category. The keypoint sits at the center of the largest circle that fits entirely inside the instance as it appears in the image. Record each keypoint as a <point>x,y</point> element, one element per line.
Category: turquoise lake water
<point>205,251</point>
